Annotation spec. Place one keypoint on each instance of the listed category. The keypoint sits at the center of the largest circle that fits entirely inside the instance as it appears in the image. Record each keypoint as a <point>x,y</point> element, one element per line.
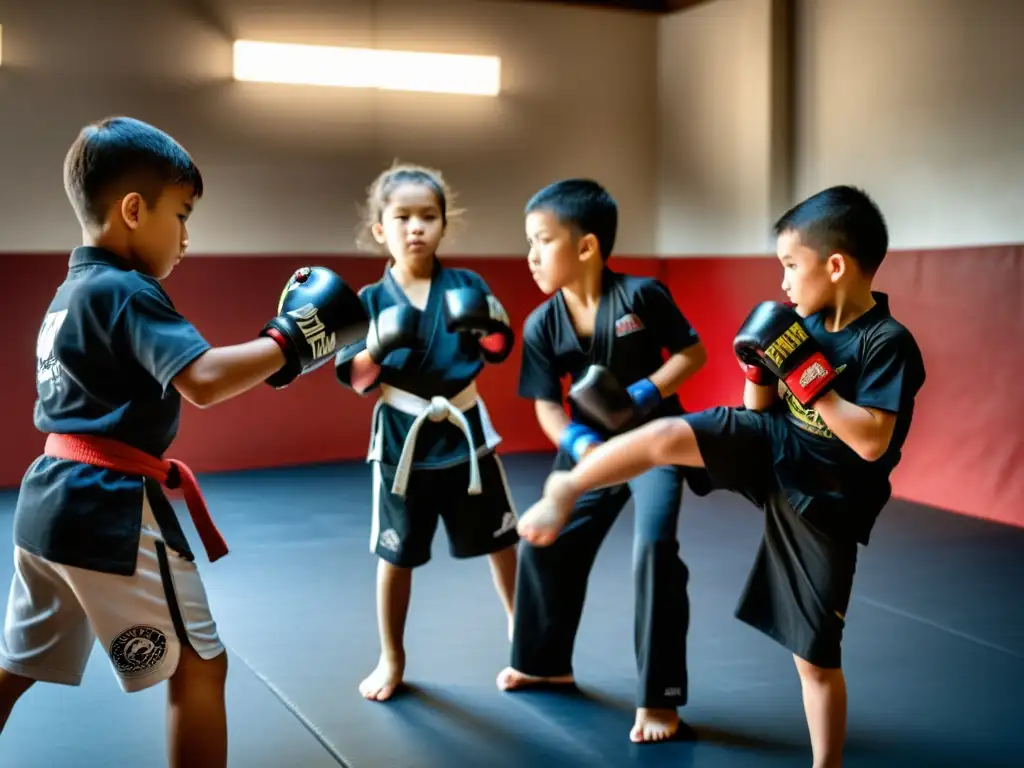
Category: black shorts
<point>403,528</point>
<point>798,590</point>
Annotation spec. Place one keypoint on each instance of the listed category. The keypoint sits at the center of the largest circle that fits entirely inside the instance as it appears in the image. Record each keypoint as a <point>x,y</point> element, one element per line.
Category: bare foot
<point>654,725</point>
<point>384,680</point>
<point>543,521</point>
<point>510,679</point>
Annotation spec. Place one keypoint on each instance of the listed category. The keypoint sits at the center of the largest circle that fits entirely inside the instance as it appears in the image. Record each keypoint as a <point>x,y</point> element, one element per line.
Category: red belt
<point>170,473</point>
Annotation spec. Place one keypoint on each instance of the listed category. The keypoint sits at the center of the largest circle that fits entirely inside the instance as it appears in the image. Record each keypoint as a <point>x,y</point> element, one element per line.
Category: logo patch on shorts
<point>508,523</point>
<point>389,540</point>
<point>137,650</point>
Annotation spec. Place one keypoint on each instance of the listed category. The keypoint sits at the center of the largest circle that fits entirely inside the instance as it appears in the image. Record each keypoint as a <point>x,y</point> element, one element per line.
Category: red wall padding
<point>229,299</point>
<point>964,453</point>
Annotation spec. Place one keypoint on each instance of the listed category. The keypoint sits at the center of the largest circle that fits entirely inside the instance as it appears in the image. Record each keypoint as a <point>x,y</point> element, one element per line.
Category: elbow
<point>664,439</point>
<point>197,384</point>
<point>201,396</point>
<point>874,446</point>
<point>872,450</point>
<point>699,356</point>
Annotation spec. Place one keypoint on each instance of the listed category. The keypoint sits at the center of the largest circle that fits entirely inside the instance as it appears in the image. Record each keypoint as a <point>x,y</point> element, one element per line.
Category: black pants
<point>552,584</point>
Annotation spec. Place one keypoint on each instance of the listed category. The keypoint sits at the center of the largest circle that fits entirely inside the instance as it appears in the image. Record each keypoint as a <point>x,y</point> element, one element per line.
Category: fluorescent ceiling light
<point>367,68</point>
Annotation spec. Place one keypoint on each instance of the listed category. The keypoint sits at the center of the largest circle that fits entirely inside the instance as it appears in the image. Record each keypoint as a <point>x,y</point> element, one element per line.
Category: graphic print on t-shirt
<point>49,373</point>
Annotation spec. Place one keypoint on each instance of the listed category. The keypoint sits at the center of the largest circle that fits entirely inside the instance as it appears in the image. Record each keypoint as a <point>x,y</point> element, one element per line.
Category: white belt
<point>436,409</point>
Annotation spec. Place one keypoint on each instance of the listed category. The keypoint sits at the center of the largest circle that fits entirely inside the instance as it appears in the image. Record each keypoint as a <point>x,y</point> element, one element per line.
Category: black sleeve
<point>161,339</point>
<point>538,378</point>
<point>892,372</point>
<point>477,281</point>
<point>343,360</point>
<point>481,285</point>
<point>662,316</point>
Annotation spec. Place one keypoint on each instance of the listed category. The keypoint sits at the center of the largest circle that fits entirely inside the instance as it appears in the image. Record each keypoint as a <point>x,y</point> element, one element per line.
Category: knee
<point>390,572</point>
<point>665,438</point>
<point>217,667</point>
<point>12,686</point>
<point>195,671</point>
<point>650,544</point>
<point>658,557</point>
<point>813,674</point>
<point>532,556</point>
<point>508,553</point>
<point>657,527</point>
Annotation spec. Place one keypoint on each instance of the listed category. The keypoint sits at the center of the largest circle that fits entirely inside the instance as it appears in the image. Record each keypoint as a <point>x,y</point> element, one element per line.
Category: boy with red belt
<point>99,553</point>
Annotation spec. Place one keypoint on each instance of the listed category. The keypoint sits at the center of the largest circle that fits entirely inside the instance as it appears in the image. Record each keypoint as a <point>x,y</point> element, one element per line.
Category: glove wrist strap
<point>277,336</point>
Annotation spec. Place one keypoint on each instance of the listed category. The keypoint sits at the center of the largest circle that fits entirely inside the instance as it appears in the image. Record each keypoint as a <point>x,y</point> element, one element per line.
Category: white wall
<point>919,101</point>
<point>922,103</point>
<point>715,183</point>
<point>285,166</point>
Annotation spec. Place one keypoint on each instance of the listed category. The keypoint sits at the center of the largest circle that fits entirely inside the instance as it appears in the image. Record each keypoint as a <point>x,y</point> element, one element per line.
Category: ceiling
<point>645,6</point>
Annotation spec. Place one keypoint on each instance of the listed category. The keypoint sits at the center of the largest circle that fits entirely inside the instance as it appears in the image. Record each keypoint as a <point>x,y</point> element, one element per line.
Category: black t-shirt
<point>109,346</point>
<point>447,363</point>
<point>879,365</point>
<point>637,321</point>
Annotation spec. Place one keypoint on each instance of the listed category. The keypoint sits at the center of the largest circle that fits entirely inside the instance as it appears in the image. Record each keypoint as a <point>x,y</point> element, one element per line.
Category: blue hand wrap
<point>644,394</point>
<point>576,438</point>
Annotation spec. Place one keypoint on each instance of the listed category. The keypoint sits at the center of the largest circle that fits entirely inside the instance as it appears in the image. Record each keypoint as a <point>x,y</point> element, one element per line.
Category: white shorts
<point>56,612</point>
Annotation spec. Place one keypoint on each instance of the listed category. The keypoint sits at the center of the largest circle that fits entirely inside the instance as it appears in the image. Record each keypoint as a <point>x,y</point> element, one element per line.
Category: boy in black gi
<point>432,444</point>
<point>626,324</point>
<point>832,379</point>
<point>99,553</point>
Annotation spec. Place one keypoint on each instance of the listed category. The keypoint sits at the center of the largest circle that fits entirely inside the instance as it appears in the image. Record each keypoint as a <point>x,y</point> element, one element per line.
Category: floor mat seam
<point>941,627</point>
<point>297,713</point>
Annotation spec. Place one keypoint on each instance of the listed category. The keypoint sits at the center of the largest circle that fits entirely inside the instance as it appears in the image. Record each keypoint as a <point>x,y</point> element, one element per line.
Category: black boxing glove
<point>469,310</point>
<point>774,337</point>
<point>396,327</point>
<point>317,313</point>
<point>603,398</point>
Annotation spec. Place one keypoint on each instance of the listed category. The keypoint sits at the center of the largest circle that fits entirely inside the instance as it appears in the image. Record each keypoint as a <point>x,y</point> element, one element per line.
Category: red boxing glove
<point>755,373</point>
<point>496,343</point>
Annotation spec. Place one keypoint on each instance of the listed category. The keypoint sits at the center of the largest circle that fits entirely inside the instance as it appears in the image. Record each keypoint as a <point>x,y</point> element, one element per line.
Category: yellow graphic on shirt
<point>809,418</point>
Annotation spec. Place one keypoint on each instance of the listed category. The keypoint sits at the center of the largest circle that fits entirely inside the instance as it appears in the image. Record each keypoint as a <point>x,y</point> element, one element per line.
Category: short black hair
<point>119,155</point>
<point>841,219</point>
<point>582,205</point>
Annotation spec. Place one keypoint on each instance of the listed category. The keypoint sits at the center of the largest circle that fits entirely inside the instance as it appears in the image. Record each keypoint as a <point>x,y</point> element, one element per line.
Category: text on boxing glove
<point>314,331</point>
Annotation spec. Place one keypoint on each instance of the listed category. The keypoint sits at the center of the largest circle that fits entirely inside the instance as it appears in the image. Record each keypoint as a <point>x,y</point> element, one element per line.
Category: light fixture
<point>367,68</point>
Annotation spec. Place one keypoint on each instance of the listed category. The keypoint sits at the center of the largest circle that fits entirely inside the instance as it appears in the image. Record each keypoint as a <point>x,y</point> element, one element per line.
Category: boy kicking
<point>831,384</point>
